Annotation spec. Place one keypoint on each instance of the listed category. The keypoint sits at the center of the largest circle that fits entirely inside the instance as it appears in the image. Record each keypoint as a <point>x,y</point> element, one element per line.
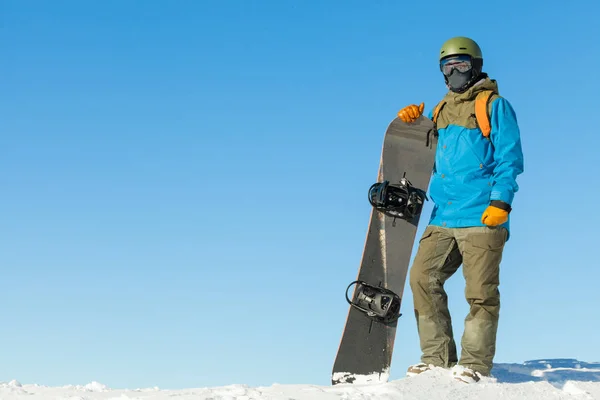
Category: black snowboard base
<point>365,352</point>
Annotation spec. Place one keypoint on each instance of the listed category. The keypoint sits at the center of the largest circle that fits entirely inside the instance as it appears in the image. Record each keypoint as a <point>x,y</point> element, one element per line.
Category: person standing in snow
<point>472,187</point>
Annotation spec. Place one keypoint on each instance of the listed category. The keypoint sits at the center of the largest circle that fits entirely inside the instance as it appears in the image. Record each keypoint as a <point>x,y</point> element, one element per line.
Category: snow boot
<point>464,374</point>
<point>419,368</point>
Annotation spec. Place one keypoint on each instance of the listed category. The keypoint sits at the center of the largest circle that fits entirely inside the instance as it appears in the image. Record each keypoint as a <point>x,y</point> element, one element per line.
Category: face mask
<point>458,81</point>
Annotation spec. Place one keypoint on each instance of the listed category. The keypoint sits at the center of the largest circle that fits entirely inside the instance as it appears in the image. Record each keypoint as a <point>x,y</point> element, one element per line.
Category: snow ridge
<point>551,379</point>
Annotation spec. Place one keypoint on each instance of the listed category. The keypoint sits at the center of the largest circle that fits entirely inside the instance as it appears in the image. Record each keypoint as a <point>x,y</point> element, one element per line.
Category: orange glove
<point>493,216</point>
<point>411,113</point>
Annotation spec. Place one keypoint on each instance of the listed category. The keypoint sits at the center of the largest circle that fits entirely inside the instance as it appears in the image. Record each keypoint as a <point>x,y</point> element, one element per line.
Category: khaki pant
<point>441,251</point>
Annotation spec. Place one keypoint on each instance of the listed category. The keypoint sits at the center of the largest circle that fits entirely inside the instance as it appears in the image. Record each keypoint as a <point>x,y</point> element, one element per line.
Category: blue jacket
<point>471,170</point>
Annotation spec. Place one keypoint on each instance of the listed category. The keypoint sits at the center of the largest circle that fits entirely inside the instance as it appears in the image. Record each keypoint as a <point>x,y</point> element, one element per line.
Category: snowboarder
<point>472,187</point>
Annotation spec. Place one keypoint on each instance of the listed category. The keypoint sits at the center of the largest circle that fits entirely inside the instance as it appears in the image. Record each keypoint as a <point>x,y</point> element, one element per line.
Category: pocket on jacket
<point>469,146</point>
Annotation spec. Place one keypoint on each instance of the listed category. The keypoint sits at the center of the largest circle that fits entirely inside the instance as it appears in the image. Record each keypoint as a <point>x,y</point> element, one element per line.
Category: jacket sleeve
<point>506,139</point>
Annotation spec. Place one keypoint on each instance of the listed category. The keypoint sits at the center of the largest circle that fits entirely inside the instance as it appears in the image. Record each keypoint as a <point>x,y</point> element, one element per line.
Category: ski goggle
<point>462,63</point>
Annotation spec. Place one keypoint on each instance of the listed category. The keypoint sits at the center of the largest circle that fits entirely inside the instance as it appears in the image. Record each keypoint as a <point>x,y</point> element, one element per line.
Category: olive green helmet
<point>461,45</point>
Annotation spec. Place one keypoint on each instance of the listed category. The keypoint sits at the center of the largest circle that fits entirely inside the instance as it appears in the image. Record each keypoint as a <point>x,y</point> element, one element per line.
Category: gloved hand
<point>496,213</point>
<point>411,113</point>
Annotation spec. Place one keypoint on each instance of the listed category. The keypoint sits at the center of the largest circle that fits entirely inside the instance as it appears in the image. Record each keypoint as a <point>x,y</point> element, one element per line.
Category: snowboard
<point>365,351</point>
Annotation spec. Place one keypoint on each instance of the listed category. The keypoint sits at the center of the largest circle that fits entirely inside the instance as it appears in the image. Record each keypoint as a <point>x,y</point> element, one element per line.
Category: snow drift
<point>538,379</point>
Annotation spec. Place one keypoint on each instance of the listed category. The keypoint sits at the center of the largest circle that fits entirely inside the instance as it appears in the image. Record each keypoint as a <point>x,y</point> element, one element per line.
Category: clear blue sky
<point>184,183</point>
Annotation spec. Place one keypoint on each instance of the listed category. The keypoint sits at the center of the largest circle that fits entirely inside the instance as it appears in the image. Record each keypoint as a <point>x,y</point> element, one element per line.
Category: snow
<point>539,380</point>
<point>347,377</point>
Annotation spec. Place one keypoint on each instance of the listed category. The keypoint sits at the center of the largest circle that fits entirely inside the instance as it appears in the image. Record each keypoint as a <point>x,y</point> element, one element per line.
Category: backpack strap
<point>437,109</point>
<point>482,102</point>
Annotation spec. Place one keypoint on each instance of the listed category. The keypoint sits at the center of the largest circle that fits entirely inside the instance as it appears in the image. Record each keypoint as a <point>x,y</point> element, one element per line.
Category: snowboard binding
<point>400,200</point>
<point>378,303</point>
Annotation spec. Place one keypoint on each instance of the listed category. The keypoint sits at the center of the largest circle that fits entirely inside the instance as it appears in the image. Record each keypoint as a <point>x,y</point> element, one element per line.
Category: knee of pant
<point>487,294</point>
<point>418,278</point>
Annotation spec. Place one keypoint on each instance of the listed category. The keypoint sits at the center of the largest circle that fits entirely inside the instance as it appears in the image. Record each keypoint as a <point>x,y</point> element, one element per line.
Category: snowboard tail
<point>367,343</point>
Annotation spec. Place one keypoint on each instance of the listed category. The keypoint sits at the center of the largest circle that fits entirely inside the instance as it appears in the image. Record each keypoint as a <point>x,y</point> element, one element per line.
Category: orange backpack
<point>482,102</point>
